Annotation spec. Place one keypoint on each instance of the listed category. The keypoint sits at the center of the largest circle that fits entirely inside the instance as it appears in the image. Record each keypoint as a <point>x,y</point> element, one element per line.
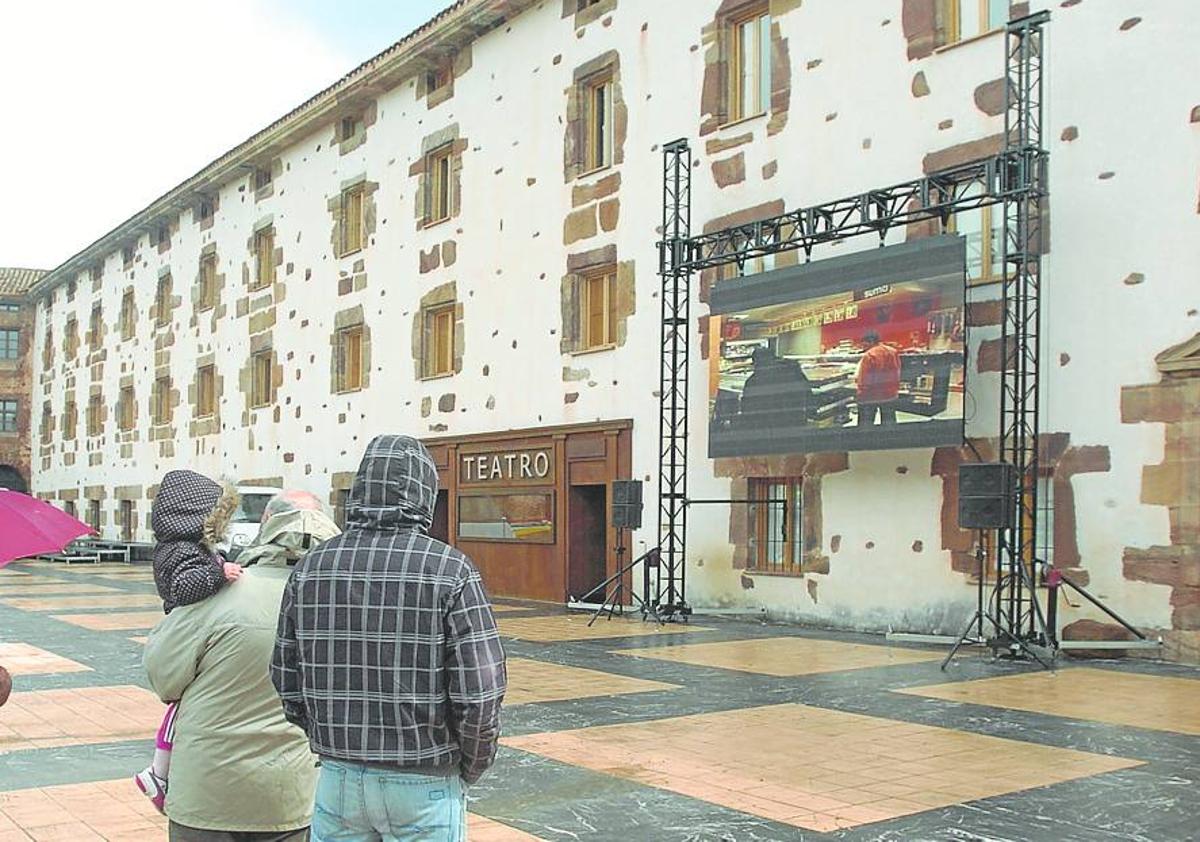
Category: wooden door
<point>587,551</point>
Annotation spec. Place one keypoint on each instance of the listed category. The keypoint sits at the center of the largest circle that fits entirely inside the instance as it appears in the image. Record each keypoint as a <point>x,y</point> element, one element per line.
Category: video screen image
<point>864,352</point>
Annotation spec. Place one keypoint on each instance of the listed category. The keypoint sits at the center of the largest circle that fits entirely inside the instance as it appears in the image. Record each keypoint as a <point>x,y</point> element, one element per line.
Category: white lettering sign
<point>510,465</point>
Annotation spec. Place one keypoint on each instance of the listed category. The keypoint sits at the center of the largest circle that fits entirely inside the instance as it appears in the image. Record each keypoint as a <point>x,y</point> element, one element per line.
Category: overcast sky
<point>110,103</point>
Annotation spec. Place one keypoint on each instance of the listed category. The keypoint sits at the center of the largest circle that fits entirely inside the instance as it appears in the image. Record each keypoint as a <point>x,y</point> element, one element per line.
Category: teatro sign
<point>507,466</point>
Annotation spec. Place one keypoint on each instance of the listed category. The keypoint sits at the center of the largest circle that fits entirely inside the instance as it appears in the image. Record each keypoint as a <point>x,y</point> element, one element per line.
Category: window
<point>9,307</point>
<point>69,508</point>
<point>128,325</point>
<point>204,212</point>
<point>163,236</point>
<point>261,392</point>
<point>162,301</point>
<point>72,339</point>
<point>128,527</point>
<point>526,518</point>
<point>8,416</point>
<point>95,421</point>
<point>208,282</point>
<point>352,220</point>
<point>439,341</point>
<point>750,65</point>
<point>438,78</point>
<point>983,230</point>
<point>160,400</point>
<point>70,419</point>
<point>10,344</point>
<point>47,348</point>
<point>437,175</point>
<point>963,19</point>
<point>599,308</point>
<point>350,359</point>
<point>93,515</point>
<point>125,408</point>
<point>95,328</point>
<point>71,288</point>
<point>349,127</point>
<point>97,274</point>
<point>46,419</point>
<point>598,125</point>
<point>264,254</point>
<point>262,177</point>
<point>777,543</point>
<point>127,254</point>
<point>206,391</point>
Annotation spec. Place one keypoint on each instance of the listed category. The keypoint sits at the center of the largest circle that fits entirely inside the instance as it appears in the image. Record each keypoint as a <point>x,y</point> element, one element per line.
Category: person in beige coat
<point>240,772</point>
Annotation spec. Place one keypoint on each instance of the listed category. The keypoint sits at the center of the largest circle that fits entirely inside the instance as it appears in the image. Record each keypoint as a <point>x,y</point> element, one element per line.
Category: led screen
<point>862,352</point>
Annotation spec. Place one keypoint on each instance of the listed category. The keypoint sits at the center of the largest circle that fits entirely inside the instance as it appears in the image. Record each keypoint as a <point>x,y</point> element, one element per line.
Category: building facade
<point>457,241</point>
<point>16,340</point>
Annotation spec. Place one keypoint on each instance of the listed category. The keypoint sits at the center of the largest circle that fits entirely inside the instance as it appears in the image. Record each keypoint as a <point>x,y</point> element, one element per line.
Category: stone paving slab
<point>78,716</point>
<point>63,603</point>
<point>25,659</point>
<point>784,656</point>
<point>1163,703</point>
<point>116,621</point>
<point>575,627</point>
<point>532,681</point>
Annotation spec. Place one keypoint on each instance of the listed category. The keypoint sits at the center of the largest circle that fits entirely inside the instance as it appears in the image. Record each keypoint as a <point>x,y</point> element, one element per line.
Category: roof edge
<point>470,18</point>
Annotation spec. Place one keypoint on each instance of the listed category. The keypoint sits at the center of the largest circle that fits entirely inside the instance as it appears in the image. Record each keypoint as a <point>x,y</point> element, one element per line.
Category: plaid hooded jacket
<point>387,652</point>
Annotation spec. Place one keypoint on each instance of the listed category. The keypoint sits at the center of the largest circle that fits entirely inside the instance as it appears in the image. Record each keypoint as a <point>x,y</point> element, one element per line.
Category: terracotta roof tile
<point>16,281</point>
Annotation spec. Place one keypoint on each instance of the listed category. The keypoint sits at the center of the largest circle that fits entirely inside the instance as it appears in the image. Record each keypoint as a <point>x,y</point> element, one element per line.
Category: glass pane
<point>600,115</point>
<point>764,62</point>
<point>794,524</point>
<point>996,214</point>
<point>748,62</point>
<point>528,518</point>
<point>997,13</point>
<point>970,23</point>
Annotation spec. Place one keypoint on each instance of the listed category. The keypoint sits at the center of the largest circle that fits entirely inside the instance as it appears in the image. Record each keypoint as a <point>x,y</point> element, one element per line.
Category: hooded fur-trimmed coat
<point>189,517</point>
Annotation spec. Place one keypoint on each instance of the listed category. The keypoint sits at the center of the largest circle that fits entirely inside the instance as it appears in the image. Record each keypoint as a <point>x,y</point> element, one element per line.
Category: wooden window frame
<point>951,14</point>
<point>262,391</point>
<point>95,426</point>
<point>126,404</point>
<point>991,268</point>
<point>263,177</point>
<point>208,283</point>
<point>439,78</point>
<point>162,300</point>
<point>353,239</point>
<point>95,328</point>
<point>70,420</point>
<point>70,509</point>
<point>605,280</point>
<point>93,514</point>
<point>128,528</point>
<point>162,235</point>
<point>160,401</point>
<point>47,414</point>
<point>349,126</point>
<point>206,391</point>
<point>205,211</point>
<point>350,359</point>
<point>433,364</point>
<point>264,266</point>
<point>737,111</point>
<point>791,517</point>
<point>598,129</point>
<point>10,408</point>
<point>439,189</point>
<point>128,322</point>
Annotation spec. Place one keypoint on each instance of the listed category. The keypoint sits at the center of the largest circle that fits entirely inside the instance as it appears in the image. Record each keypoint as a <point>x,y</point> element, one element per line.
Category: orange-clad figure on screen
<point>877,382</point>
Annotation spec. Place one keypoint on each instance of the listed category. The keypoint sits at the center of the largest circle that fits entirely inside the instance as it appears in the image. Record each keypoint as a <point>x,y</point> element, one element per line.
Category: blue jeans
<point>358,803</point>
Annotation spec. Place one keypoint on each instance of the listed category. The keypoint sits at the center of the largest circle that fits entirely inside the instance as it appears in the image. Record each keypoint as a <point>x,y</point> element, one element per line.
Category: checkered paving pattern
<point>24,659</point>
<point>1158,702</point>
<point>117,621</point>
<point>50,587</point>
<point>532,681</point>
<point>63,603</point>
<point>481,829</point>
<point>815,768</point>
<point>575,627</point>
<point>112,811</point>
<point>82,716</point>
<point>785,656</point>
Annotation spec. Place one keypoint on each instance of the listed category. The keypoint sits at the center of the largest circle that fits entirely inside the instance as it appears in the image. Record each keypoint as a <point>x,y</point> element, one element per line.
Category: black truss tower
<point>1015,178</point>
<point>673,381</point>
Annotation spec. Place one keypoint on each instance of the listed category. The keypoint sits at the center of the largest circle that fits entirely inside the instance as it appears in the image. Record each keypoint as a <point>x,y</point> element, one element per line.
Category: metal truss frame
<point>1016,178</point>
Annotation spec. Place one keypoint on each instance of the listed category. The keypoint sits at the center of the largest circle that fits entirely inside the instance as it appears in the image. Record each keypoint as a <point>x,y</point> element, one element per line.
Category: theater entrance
<point>531,507</point>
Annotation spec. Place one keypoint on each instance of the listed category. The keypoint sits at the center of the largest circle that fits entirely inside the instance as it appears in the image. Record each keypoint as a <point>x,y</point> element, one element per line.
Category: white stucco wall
<point>1129,92</point>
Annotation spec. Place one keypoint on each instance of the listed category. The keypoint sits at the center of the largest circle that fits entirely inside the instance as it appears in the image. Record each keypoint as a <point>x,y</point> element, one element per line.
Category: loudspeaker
<point>627,503</point>
<point>985,495</point>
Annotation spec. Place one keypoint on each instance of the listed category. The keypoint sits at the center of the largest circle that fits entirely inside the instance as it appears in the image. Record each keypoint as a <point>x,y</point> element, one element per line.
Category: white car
<point>244,527</point>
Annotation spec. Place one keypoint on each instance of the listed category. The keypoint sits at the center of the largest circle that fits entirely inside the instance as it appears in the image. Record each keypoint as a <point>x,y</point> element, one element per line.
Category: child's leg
<point>163,743</point>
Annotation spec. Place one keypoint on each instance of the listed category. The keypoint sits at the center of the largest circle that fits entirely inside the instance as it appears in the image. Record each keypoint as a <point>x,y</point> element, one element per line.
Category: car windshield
<point>251,508</point>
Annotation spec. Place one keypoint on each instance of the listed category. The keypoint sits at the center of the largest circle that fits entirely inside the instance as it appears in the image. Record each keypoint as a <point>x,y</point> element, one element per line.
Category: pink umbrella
<point>30,527</point>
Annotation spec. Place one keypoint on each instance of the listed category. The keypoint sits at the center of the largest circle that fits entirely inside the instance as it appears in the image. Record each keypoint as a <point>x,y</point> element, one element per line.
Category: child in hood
<point>189,517</point>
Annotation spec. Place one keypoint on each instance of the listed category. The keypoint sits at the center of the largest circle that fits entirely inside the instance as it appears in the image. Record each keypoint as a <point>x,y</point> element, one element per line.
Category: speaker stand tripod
<point>973,634</point>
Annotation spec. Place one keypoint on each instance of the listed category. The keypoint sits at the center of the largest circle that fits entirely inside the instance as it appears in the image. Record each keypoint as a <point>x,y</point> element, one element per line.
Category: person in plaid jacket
<point>388,656</point>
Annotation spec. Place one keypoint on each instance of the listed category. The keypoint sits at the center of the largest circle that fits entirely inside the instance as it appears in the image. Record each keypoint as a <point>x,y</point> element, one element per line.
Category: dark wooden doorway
<point>440,530</point>
<point>587,550</point>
